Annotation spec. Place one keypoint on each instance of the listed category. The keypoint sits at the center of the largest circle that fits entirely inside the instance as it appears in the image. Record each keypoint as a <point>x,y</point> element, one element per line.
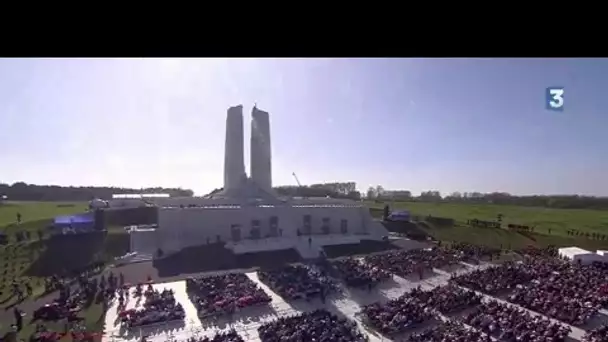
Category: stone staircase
<point>140,257</point>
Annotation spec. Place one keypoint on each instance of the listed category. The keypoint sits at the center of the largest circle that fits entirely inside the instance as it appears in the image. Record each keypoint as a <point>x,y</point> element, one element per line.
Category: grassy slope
<point>558,220</point>
<point>26,260</point>
<point>35,215</point>
<point>17,259</point>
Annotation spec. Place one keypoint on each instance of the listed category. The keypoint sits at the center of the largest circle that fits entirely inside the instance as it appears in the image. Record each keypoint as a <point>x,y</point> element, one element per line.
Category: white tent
<point>603,253</point>
<point>576,254</point>
<point>98,204</point>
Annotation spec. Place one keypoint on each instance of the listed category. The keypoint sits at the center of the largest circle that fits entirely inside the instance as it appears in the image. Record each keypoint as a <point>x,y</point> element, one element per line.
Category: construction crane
<point>297,180</point>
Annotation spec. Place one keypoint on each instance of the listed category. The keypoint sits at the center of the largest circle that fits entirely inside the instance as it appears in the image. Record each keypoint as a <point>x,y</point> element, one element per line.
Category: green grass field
<point>558,220</point>
<point>36,211</point>
<point>543,219</point>
<point>35,215</point>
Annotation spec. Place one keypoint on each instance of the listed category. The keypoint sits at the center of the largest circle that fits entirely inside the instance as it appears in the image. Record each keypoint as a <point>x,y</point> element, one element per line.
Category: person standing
<point>18,318</point>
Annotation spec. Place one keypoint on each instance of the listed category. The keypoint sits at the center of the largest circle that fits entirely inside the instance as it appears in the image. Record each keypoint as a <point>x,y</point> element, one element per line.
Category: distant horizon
<point>410,124</point>
<point>362,191</point>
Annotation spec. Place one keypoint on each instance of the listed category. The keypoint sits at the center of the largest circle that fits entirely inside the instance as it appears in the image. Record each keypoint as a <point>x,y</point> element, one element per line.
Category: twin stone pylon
<point>261,157</point>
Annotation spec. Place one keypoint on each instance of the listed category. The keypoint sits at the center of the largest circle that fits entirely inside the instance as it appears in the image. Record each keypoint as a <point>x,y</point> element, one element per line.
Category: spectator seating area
<point>555,288</point>
<point>396,316</point>
<point>223,294</point>
<point>74,295</point>
<point>68,303</point>
<point>404,263</point>
<point>449,331</point>
<point>475,252</point>
<point>597,335</point>
<point>447,299</point>
<point>416,307</point>
<point>495,280</point>
<point>570,293</point>
<point>158,307</point>
<point>317,326</point>
<point>357,274</point>
<point>230,336</point>
<point>297,282</point>
<point>549,251</point>
<point>509,323</point>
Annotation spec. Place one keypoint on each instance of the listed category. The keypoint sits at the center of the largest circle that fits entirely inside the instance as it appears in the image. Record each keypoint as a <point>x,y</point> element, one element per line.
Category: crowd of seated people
<point>510,323</point>
<point>570,293</point>
<point>446,299</point>
<point>475,252</point>
<point>297,282</point>
<point>533,251</point>
<point>494,280</point>
<point>404,263</point>
<point>76,333</point>
<point>72,298</point>
<point>449,331</point>
<point>357,274</point>
<point>224,294</point>
<point>158,307</point>
<point>69,303</point>
<point>597,335</point>
<point>396,316</point>
<point>230,336</point>
<point>317,326</point>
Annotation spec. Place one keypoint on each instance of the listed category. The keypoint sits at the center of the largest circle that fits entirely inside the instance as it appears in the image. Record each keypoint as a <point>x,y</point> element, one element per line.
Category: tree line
<point>21,191</point>
<point>347,190</point>
<point>503,198</point>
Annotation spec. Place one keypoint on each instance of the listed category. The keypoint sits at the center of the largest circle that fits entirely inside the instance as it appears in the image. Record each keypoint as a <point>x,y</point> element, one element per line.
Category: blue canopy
<point>399,216</point>
<point>74,219</point>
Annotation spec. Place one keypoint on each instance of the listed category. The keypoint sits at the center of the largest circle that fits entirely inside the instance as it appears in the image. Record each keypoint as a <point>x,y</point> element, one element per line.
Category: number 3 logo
<point>555,98</point>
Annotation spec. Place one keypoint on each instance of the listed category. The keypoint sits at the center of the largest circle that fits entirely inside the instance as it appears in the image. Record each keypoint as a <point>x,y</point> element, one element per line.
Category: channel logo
<point>554,98</point>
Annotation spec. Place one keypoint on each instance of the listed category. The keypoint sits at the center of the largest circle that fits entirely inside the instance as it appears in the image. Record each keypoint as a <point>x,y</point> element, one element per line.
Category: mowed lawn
<point>36,214</point>
<point>543,219</point>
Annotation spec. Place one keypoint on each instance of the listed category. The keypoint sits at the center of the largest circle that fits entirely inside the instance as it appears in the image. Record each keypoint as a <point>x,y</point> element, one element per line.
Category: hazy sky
<point>418,124</point>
